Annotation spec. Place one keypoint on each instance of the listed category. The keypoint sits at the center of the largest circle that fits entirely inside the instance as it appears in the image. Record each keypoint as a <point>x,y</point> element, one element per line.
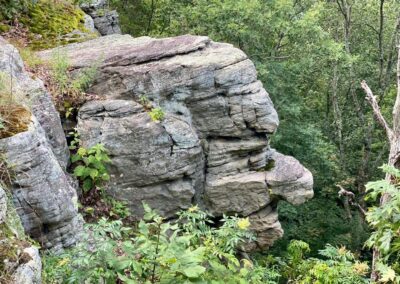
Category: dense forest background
<point>311,56</point>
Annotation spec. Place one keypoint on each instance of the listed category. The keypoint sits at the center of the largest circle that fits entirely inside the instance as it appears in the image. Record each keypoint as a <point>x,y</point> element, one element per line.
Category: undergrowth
<point>14,116</point>
<point>69,91</point>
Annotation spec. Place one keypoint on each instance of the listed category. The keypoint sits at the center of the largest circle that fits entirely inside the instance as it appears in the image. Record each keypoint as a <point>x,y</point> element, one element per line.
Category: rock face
<point>29,272</point>
<point>32,91</point>
<point>45,201</point>
<point>105,21</point>
<point>211,148</point>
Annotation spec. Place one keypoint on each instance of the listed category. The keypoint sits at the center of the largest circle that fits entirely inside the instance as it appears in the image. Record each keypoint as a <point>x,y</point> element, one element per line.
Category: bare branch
<point>396,107</point>
<point>376,109</point>
<point>350,198</point>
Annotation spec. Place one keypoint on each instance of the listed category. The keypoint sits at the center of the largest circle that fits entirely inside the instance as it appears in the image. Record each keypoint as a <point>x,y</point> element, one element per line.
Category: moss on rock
<point>49,21</point>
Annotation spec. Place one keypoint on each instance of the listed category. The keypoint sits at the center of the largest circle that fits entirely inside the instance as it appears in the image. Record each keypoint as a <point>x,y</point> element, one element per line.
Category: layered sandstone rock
<point>38,157</point>
<point>212,147</point>
<point>42,195</point>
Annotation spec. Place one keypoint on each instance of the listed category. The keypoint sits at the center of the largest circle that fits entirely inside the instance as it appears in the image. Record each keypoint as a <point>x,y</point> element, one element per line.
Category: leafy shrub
<point>10,8</point>
<point>385,222</point>
<point>188,251</point>
<point>91,170</point>
<point>157,114</point>
<point>339,266</point>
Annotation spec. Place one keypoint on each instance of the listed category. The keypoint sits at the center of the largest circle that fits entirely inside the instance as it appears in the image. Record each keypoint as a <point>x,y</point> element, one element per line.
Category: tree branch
<point>396,107</point>
<point>376,109</point>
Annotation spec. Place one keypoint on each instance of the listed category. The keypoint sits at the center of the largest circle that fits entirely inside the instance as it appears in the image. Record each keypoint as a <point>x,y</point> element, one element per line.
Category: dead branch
<point>350,198</point>
<point>377,110</point>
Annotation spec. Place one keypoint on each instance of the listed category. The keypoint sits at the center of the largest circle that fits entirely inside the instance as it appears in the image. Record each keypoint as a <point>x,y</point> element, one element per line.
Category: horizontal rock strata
<point>212,147</point>
<point>38,158</point>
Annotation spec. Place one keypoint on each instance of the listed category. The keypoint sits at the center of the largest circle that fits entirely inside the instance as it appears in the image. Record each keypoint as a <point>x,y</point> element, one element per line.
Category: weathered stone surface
<point>29,272</point>
<point>28,268</point>
<point>43,197</point>
<point>107,22</point>
<point>153,162</point>
<point>32,93</point>
<point>266,227</point>
<point>243,194</point>
<point>93,5</point>
<point>211,148</point>
<point>89,24</point>
<point>289,179</point>
<point>3,205</point>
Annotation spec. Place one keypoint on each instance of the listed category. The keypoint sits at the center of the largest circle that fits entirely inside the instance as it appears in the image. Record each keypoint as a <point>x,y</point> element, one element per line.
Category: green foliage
<point>338,267</point>
<point>69,90</point>
<point>51,20</point>
<point>385,222</point>
<point>187,251</point>
<point>304,222</point>
<point>29,57</point>
<point>157,114</point>
<point>11,8</point>
<point>91,166</point>
<point>119,209</point>
<point>145,102</point>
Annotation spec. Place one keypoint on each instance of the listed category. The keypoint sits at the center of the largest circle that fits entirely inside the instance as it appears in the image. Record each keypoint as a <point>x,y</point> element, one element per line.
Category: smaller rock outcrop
<point>38,157</point>
<point>33,93</point>
<point>105,21</point>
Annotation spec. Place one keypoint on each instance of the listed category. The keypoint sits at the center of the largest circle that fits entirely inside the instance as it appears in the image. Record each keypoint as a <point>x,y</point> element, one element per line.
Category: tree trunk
<point>393,137</point>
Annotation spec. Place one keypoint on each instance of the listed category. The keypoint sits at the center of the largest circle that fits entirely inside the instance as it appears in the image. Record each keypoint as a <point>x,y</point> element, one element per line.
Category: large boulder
<point>212,147</point>
<point>29,272</point>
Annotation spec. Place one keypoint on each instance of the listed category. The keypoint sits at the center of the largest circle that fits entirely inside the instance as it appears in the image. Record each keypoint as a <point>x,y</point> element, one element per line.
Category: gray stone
<point>31,271</point>
<point>153,162</point>
<point>289,180</point>
<point>3,205</point>
<point>242,194</point>
<point>89,24</point>
<point>266,227</point>
<point>107,22</point>
<point>32,93</point>
<point>212,147</point>
<point>43,197</point>
<point>93,5</point>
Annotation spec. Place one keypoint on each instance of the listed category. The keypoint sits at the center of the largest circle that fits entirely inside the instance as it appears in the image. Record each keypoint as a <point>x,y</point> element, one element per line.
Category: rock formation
<point>38,157</point>
<point>105,21</point>
<point>212,146</point>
